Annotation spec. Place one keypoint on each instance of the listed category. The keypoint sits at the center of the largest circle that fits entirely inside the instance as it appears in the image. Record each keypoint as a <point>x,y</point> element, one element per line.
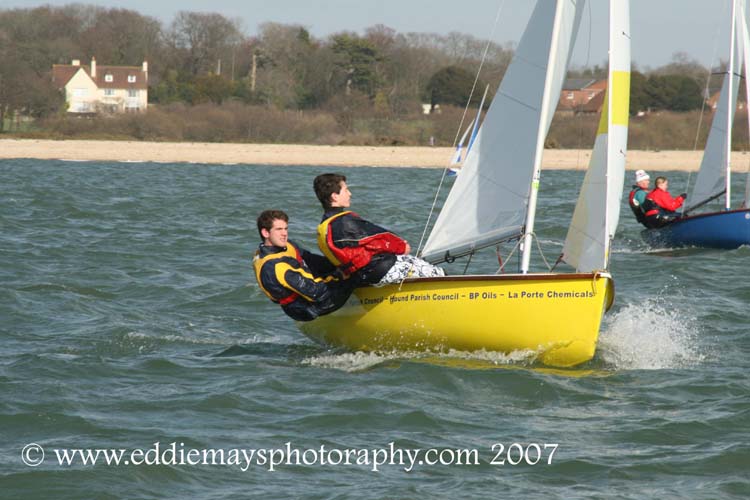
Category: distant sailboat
<point>473,127</point>
<point>555,316</point>
<point>457,156</point>
<point>729,228</point>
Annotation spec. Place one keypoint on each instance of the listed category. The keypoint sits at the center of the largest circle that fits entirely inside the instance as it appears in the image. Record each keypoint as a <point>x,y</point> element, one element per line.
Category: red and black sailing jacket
<point>659,201</point>
<point>351,242</point>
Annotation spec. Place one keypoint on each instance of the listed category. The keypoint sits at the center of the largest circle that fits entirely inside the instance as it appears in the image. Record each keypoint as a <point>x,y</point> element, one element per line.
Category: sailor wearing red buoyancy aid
<point>359,246</point>
<point>304,284</point>
<point>638,194</point>
<point>363,249</point>
<point>659,206</point>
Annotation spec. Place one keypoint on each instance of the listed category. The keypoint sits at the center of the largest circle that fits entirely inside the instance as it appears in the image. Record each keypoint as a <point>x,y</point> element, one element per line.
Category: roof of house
<point>578,83</point>
<point>595,104</point>
<point>62,73</point>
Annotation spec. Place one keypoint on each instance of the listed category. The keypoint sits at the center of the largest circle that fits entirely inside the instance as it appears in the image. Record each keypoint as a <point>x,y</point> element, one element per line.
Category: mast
<point>610,97</point>
<point>541,135</point>
<point>730,104</point>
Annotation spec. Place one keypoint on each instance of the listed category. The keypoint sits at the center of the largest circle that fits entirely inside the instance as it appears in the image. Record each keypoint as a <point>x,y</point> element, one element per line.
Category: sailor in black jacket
<point>304,284</point>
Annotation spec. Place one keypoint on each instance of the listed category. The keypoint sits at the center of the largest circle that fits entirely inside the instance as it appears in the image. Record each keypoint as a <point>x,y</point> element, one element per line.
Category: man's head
<point>332,191</point>
<point>661,183</point>
<point>273,227</point>
<point>642,179</point>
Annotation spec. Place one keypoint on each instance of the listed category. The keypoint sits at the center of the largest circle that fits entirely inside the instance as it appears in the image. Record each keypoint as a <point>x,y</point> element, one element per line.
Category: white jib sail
<point>489,199</point>
<point>712,178</point>
<point>597,211</point>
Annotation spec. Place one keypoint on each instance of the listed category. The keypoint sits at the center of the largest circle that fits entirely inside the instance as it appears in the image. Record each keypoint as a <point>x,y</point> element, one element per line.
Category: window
<point>131,78</point>
<point>570,95</point>
<point>108,77</point>
<point>109,92</point>
<point>132,93</point>
<point>80,92</point>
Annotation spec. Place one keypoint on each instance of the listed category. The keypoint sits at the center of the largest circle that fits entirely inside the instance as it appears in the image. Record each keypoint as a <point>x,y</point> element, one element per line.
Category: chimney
<point>93,67</point>
<point>145,69</point>
<point>75,62</point>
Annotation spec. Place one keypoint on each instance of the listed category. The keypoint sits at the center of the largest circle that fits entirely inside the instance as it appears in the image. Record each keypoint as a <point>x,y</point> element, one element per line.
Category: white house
<point>92,89</point>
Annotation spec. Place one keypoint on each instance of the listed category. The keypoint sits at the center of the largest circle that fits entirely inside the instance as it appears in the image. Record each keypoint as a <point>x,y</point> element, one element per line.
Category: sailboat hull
<point>726,230</point>
<point>555,316</point>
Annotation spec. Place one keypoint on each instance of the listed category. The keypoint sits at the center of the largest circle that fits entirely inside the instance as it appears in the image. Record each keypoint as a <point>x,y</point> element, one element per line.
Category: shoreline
<point>312,155</point>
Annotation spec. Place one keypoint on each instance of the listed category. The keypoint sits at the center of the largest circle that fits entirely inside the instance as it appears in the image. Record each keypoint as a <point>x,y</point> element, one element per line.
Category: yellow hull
<point>557,316</point>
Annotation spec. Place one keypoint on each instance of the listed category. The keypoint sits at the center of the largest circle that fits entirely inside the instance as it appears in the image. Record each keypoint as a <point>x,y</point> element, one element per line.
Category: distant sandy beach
<point>333,156</point>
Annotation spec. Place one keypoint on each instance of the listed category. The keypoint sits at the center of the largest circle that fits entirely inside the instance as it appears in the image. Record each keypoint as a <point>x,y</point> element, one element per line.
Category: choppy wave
<point>360,361</point>
<point>651,335</point>
<point>129,315</point>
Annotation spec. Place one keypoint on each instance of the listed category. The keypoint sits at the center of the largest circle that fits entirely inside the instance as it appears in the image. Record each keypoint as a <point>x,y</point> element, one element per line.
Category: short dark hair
<point>266,218</point>
<point>659,180</point>
<point>327,184</point>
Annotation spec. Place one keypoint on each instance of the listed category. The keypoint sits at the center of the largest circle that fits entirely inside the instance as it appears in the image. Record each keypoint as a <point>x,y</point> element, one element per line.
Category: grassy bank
<point>240,123</point>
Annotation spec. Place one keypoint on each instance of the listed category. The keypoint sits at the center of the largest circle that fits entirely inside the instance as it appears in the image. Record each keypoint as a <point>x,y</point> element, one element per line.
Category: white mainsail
<point>489,200</point>
<point>713,174</point>
<point>597,211</point>
<point>746,60</point>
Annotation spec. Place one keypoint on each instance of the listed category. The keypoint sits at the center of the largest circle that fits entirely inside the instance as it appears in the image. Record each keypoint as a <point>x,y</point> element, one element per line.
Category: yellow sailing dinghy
<point>554,315</point>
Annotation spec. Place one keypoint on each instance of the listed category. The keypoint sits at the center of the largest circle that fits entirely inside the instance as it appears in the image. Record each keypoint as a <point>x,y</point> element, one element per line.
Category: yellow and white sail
<point>588,243</point>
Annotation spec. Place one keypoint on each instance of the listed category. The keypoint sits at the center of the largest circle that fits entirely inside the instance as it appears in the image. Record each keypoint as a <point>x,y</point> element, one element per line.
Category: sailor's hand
<point>683,195</point>
<point>408,249</point>
<point>340,274</point>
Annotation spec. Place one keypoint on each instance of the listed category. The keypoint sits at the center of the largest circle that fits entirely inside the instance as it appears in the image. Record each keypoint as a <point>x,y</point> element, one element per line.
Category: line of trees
<point>205,58</point>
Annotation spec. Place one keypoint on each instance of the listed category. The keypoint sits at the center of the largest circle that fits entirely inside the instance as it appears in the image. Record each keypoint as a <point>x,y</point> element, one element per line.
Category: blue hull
<point>727,230</point>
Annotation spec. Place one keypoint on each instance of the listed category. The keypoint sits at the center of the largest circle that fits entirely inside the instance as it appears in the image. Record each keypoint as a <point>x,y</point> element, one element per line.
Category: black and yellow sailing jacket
<point>285,276</point>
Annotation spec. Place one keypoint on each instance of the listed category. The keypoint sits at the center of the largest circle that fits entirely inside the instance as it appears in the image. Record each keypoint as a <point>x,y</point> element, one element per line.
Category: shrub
<point>352,121</point>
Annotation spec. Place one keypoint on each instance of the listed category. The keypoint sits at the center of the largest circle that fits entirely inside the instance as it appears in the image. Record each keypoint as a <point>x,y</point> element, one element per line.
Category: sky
<point>660,28</point>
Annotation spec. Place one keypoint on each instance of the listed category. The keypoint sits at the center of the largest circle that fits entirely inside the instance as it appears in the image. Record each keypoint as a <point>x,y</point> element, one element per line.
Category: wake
<point>651,335</point>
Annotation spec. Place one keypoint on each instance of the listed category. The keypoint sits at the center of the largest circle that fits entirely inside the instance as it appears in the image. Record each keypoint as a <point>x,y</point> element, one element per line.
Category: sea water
<point>131,326</point>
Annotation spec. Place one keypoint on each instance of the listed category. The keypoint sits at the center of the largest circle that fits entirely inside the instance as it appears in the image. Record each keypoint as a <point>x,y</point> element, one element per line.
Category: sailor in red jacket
<point>660,208</point>
<point>370,253</point>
